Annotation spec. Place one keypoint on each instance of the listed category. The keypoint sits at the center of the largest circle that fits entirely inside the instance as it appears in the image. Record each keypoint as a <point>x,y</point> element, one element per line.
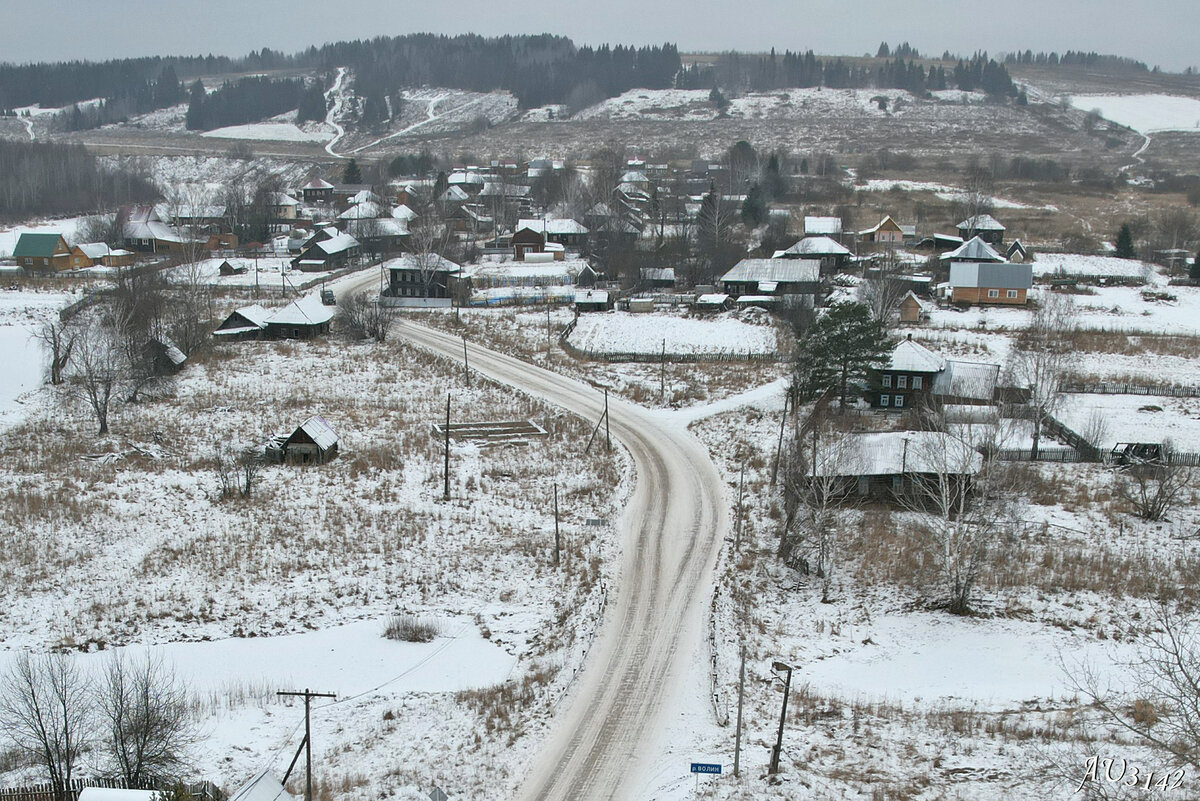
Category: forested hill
<point>536,69</point>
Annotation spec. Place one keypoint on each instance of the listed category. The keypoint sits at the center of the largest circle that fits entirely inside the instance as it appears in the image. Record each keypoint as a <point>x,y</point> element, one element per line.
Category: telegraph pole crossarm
<point>307,695</point>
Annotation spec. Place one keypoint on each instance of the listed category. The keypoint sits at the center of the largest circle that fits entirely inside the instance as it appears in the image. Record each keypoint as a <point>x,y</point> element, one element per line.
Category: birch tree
<point>1040,360</point>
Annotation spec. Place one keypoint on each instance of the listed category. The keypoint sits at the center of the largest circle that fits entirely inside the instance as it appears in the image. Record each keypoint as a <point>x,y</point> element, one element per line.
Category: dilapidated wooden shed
<point>313,442</point>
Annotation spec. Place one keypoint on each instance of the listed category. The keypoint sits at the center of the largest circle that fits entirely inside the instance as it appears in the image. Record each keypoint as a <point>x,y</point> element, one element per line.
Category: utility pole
<point>557,538</point>
<point>446,467</point>
<point>607,436</point>
<point>737,748</point>
<point>737,539</point>
<point>787,688</point>
<point>787,398</point>
<point>548,345</point>
<point>662,374</point>
<point>466,365</point>
<point>307,743</point>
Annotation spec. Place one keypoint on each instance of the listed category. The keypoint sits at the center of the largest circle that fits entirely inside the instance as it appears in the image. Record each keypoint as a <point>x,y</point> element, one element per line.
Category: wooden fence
<point>200,791</point>
<point>1112,388</point>
<point>1044,455</point>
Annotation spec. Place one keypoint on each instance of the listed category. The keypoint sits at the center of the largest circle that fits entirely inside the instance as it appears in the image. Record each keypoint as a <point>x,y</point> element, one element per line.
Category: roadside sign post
<point>707,768</point>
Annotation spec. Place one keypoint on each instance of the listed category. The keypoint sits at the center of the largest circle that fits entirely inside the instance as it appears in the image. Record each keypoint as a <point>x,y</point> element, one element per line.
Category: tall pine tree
<point>352,175</point>
<point>837,350</point>
<point>1125,243</point>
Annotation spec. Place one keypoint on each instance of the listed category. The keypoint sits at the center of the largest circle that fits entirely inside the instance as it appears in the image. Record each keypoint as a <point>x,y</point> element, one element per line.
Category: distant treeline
<point>1072,58</point>
<point>800,70</point>
<point>538,70</point>
<point>53,85</point>
<point>138,97</point>
<point>52,179</point>
<point>242,101</point>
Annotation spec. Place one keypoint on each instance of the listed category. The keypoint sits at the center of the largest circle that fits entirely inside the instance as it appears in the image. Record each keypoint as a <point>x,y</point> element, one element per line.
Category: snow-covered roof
<point>462,177</point>
<point>319,431</point>
<point>974,250</point>
<point>262,786</point>
<point>712,299</point>
<point>822,226</point>
<point>658,274</point>
<point>379,226</point>
<point>552,227</point>
<point>318,183</point>
<point>363,210</point>
<point>493,189</point>
<point>95,250</point>
<point>924,305</point>
<point>981,222</point>
<point>635,177</point>
<point>307,310</point>
<point>283,199</point>
<point>113,794</point>
<point>403,212</point>
<point>187,211</point>
<point>454,194</point>
<point>338,243</point>
<point>973,380</point>
<point>893,453</point>
<point>365,196</point>
<point>591,296</point>
<point>913,357</point>
<point>991,276</point>
<point>817,246</point>
<point>881,224</point>
<point>412,261</point>
<point>778,270</point>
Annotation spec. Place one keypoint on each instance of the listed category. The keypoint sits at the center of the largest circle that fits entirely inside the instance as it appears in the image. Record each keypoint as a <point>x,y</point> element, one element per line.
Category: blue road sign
<point>705,767</point>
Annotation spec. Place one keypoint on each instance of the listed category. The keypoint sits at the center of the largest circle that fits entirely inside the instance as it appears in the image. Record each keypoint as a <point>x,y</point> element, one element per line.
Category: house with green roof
<point>42,252</point>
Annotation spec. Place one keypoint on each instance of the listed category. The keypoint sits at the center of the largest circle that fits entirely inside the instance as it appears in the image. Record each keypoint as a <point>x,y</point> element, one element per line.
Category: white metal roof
<point>778,270</point>
<point>974,249</point>
<point>817,246</point>
<point>319,431</point>
<point>822,226</point>
<point>893,453</point>
<point>974,380</point>
<point>981,222</point>
<point>552,227</point>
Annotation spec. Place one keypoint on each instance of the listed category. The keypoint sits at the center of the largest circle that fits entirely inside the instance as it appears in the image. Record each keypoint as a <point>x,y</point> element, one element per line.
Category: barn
<point>314,442</point>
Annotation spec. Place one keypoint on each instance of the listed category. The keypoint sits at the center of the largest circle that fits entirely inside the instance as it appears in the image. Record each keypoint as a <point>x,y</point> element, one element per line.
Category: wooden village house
<point>313,442</point>
<point>43,253</point>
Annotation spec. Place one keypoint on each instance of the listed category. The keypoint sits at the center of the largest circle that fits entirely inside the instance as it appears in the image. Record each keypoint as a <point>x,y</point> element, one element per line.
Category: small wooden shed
<point>314,442</point>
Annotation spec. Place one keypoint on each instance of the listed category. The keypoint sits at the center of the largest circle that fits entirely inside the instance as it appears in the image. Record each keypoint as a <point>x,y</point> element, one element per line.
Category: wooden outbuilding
<point>314,442</point>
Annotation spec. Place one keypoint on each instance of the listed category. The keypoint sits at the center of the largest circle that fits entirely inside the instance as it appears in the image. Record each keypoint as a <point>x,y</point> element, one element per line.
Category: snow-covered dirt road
<point>604,743</point>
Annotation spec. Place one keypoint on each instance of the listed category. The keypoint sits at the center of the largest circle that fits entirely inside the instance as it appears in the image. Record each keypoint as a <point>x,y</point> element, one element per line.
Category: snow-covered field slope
<point>693,104</point>
<point>1144,113</point>
<point>66,226</point>
<point>941,191</point>
<point>22,360</point>
<point>270,272</point>
<point>622,332</point>
<point>1076,264</point>
<point>1136,418</point>
<point>1112,308</point>
<point>269,131</point>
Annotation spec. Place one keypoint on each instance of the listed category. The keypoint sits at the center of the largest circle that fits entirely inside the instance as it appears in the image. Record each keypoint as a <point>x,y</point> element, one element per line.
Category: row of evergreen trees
<point>138,97</point>
<point>796,70</point>
<point>58,84</point>
<point>239,102</point>
<point>1073,58</point>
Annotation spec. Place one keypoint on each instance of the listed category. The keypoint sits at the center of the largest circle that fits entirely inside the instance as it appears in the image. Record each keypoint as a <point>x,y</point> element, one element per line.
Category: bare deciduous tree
<point>237,473</point>
<point>1160,702</point>
<point>1040,359</point>
<point>1152,490</point>
<point>99,370</point>
<point>365,316</point>
<point>59,339</point>
<point>882,293</point>
<point>147,728</point>
<point>46,711</point>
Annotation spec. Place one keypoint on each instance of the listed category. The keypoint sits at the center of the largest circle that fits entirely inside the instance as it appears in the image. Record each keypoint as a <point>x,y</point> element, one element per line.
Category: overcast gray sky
<point>1161,32</point>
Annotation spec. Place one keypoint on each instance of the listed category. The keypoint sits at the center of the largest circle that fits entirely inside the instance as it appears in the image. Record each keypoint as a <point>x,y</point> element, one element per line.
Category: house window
<point>886,381</point>
<point>1012,294</point>
<point>916,382</point>
<point>901,382</point>
<point>884,400</point>
<point>899,401</point>
<point>993,293</point>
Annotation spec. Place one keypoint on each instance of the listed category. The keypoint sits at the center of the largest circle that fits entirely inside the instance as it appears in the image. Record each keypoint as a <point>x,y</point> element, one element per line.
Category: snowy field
<point>1110,308</point>
<point>1144,113</point>
<point>22,361</point>
<point>270,132</point>
<point>941,191</point>
<point>1137,418</point>
<point>266,273</point>
<point>1077,264</point>
<point>931,657</point>
<point>621,332</point>
<point>66,226</point>
<point>693,104</point>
